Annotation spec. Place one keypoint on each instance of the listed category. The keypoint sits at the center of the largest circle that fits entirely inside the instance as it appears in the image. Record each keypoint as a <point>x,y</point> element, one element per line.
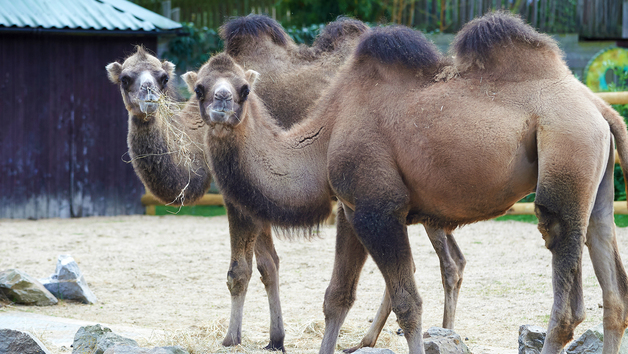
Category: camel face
<point>142,79</point>
<point>221,88</point>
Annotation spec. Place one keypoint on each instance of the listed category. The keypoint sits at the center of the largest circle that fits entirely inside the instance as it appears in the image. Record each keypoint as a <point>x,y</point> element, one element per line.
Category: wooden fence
<point>588,18</point>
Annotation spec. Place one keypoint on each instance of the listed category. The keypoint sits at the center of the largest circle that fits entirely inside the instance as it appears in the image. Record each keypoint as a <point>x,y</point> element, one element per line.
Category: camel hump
<point>337,32</point>
<point>238,30</point>
<point>398,45</point>
<point>478,40</point>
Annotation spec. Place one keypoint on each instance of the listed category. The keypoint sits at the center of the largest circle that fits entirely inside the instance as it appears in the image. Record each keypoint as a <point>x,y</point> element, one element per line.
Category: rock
<point>591,342</point>
<point>68,282</point>
<point>373,351</point>
<point>531,339</point>
<point>20,288</point>
<point>125,349</point>
<point>12,341</point>
<point>443,341</point>
<point>96,340</point>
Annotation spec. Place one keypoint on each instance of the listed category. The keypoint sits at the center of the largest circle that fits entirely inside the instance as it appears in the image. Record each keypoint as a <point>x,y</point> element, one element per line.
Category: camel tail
<point>398,45</point>
<point>236,32</point>
<point>337,32</point>
<point>477,41</point>
<point>619,131</point>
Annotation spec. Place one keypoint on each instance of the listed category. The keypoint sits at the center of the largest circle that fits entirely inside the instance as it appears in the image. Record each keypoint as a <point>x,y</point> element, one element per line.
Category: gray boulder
<point>591,342</point>
<point>443,341</point>
<point>531,339</point>
<point>97,339</point>
<point>373,351</point>
<point>68,282</point>
<point>124,349</point>
<point>21,288</point>
<point>12,341</point>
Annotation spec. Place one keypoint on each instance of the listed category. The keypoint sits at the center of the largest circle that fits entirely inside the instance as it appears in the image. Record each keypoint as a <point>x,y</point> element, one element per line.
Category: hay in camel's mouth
<point>184,150</point>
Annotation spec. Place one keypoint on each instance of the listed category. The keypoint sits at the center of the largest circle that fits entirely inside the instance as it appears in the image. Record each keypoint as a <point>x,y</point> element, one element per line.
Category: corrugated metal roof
<point>82,14</point>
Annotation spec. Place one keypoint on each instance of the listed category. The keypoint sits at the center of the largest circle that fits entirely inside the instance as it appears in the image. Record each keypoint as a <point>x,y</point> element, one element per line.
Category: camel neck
<point>279,176</point>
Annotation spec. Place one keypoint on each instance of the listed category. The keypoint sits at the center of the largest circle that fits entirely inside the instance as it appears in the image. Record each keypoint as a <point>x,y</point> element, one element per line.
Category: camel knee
<point>337,300</point>
<point>268,271</point>
<point>238,278</point>
<point>407,308</point>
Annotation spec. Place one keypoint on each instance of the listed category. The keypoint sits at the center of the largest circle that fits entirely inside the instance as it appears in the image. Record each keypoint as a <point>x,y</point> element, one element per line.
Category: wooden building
<point>63,125</point>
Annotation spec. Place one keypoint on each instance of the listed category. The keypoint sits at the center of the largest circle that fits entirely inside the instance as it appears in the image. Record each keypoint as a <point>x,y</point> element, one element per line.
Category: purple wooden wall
<point>63,127</point>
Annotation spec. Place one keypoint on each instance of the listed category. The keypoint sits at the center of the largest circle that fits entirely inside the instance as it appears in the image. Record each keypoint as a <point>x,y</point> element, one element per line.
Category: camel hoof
<point>275,347</point>
<point>230,341</point>
<point>351,350</point>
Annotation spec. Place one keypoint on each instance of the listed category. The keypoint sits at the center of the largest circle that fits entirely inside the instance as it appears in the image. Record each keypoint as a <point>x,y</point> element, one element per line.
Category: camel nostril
<point>223,95</point>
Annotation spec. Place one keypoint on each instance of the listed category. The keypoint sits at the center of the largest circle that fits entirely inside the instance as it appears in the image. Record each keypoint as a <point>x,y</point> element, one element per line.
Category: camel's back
<point>466,147</point>
<point>291,77</point>
<point>502,45</point>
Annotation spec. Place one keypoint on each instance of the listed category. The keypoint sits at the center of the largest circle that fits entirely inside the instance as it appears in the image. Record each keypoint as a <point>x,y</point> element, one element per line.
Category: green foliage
<point>304,35</point>
<point>193,50</point>
<point>190,51</point>
<point>305,12</point>
<point>617,79</point>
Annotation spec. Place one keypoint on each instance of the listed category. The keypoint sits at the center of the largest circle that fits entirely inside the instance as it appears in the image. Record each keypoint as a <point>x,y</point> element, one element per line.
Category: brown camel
<point>397,145</point>
<point>142,77</point>
<point>291,79</point>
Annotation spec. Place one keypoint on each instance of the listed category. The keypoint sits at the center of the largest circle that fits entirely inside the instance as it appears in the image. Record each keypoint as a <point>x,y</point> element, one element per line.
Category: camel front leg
<point>383,233</point>
<point>602,244</point>
<point>340,294</point>
<point>268,266</point>
<point>243,231</point>
<point>452,263</point>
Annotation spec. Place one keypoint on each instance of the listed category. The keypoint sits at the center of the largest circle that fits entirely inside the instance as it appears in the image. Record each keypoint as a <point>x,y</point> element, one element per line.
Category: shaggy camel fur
<point>309,68</point>
<point>142,78</point>
<point>396,147</point>
<point>291,79</point>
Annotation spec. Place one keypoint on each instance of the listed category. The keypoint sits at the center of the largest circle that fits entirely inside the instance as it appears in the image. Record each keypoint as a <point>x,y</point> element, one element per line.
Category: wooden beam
<point>208,199</point>
<point>528,208</point>
<point>614,97</point>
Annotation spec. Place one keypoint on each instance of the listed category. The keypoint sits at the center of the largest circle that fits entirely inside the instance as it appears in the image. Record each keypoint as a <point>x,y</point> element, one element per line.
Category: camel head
<point>222,88</point>
<point>142,79</point>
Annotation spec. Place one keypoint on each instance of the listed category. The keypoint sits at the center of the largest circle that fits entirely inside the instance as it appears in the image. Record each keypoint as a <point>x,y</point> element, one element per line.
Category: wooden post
<point>624,26</point>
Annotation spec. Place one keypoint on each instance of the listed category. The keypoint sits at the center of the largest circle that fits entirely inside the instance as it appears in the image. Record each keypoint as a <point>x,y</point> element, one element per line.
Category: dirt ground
<point>169,272</point>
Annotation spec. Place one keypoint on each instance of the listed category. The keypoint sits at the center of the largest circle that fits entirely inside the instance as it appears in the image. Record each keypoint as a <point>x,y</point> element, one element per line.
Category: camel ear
<point>251,76</point>
<point>190,79</point>
<point>113,72</point>
<point>168,67</point>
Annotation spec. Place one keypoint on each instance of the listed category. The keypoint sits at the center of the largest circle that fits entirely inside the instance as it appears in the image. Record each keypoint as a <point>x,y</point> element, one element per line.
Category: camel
<point>142,78</point>
<point>398,141</point>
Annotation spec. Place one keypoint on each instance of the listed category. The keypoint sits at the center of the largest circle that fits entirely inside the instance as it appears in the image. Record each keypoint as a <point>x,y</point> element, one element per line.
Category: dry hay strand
<point>180,145</point>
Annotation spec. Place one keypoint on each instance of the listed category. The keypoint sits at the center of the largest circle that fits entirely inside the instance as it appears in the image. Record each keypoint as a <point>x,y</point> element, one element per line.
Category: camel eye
<point>244,93</point>
<point>164,80</point>
<point>199,92</point>
<point>126,81</point>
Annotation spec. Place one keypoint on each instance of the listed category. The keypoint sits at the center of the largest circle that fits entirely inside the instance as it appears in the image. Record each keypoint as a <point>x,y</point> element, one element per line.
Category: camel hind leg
<point>565,195</point>
<point>602,244</point>
<point>340,294</point>
<point>452,263</point>
<point>268,266</point>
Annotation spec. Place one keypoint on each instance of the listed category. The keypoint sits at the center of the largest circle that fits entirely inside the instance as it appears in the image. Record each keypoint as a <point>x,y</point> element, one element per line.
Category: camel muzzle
<point>147,101</point>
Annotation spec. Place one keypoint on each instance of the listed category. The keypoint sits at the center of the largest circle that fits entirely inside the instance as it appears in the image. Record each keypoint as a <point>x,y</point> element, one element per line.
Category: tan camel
<point>142,77</point>
<point>291,79</point>
<point>396,148</point>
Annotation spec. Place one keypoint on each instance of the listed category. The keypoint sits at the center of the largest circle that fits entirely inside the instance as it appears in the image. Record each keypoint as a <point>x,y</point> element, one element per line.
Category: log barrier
<point>517,209</point>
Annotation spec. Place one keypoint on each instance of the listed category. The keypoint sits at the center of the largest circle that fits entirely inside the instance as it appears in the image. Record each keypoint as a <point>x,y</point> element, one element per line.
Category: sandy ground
<point>169,273</point>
